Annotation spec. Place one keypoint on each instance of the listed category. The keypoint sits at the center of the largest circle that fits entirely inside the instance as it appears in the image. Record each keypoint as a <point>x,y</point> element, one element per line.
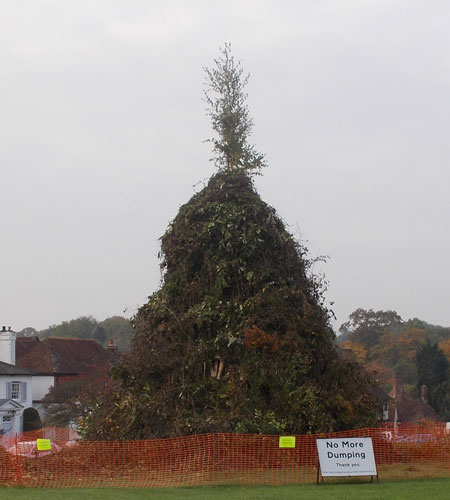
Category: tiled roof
<point>61,356</point>
<point>24,345</point>
<point>7,369</point>
<point>411,410</point>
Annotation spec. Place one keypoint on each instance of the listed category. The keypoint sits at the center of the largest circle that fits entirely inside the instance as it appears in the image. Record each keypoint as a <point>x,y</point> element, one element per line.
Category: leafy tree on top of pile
<point>237,338</point>
<point>230,117</point>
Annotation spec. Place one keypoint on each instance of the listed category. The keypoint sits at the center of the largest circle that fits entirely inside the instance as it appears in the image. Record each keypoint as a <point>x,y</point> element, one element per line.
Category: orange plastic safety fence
<point>402,452</point>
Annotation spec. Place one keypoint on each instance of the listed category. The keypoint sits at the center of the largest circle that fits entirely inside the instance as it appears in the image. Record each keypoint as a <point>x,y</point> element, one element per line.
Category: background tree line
<point>420,352</point>
<point>117,328</point>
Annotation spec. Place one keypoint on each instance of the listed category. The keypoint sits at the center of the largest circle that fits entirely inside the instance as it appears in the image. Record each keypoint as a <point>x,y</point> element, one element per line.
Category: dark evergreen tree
<point>99,335</point>
<point>433,371</point>
<point>432,365</point>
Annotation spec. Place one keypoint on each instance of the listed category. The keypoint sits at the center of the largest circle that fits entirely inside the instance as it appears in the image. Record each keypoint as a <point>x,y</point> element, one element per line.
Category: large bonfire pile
<point>237,338</point>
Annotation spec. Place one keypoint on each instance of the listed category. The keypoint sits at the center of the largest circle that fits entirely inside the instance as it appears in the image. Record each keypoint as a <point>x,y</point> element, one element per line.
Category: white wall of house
<point>18,389</point>
<point>41,386</point>
<point>25,390</point>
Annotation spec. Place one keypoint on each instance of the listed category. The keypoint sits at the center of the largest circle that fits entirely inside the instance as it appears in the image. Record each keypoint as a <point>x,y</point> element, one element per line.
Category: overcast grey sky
<point>102,126</point>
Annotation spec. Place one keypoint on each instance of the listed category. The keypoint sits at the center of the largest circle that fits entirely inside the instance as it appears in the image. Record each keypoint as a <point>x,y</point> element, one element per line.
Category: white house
<point>30,367</point>
<point>15,397</point>
<point>15,386</point>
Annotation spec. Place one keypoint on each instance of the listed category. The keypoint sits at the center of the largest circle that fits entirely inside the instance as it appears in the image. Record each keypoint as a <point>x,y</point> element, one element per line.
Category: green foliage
<point>229,114</point>
<point>434,333</point>
<point>116,328</point>
<point>28,332</point>
<point>440,395</point>
<point>386,345</point>
<point>237,338</point>
<point>433,371</point>
<point>366,327</point>
<point>82,328</point>
<point>432,365</point>
<point>99,335</point>
<point>119,329</point>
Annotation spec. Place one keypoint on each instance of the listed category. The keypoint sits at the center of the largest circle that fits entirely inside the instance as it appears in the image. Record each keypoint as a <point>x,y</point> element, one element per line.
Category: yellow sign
<point>286,442</point>
<point>43,444</point>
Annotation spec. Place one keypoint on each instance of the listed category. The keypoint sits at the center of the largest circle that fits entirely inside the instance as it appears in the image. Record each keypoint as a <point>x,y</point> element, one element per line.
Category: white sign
<point>346,457</point>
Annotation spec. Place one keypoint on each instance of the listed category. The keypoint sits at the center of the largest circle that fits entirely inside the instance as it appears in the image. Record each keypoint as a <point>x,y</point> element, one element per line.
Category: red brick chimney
<point>112,347</point>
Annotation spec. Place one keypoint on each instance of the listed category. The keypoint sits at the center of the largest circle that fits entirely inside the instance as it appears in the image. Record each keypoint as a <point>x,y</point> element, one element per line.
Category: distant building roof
<point>7,369</point>
<point>408,408</point>
<point>411,410</point>
<point>61,356</point>
<point>24,345</point>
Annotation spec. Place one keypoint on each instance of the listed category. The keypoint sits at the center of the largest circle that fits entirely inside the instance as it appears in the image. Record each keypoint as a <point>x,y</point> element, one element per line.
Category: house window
<point>15,390</point>
<point>7,419</point>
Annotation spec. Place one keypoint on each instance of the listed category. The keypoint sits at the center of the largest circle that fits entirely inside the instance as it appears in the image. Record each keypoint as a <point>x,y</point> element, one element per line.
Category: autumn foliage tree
<point>366,326</point>
<point>237,338</point>
<point>418,351</point>
<point>444,345</point>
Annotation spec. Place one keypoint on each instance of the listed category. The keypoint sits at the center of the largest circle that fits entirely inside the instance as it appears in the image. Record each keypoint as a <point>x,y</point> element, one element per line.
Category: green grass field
<point>430,489</point>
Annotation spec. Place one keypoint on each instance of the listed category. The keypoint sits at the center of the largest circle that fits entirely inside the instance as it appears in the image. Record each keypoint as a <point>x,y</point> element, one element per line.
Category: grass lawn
<point>433,489</point>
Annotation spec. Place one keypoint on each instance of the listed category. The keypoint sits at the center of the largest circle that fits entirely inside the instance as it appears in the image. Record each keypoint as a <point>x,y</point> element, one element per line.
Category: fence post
<point>18,476</point>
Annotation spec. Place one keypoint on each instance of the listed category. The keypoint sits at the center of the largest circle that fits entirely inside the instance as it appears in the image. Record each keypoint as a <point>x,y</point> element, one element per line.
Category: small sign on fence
<point>43,444</point>
<point>346,457</point>
<point>286,442</point>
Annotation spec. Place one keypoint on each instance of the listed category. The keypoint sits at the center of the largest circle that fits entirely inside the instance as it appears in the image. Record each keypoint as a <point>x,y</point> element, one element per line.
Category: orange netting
<point>406,452</point>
